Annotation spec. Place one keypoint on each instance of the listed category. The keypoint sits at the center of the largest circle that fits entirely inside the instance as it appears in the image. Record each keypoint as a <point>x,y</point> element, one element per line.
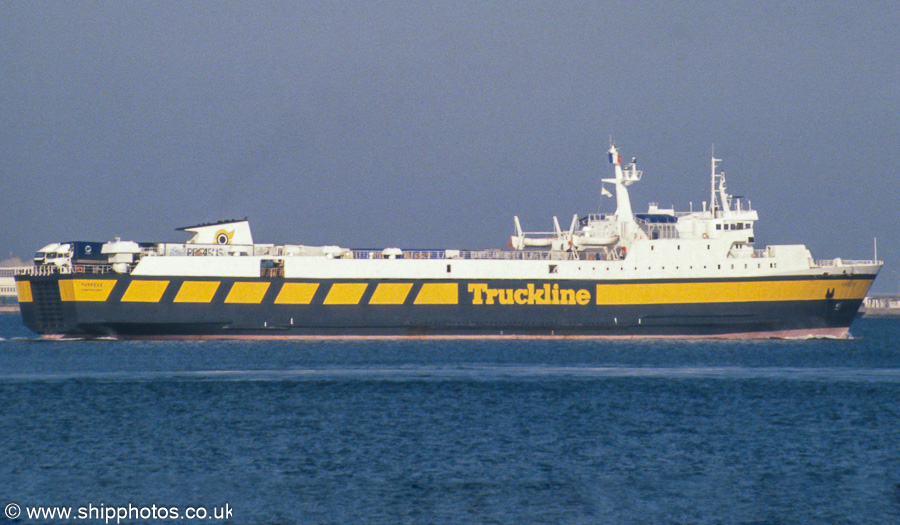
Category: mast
<point>623,178</point>
<point>713,164</point>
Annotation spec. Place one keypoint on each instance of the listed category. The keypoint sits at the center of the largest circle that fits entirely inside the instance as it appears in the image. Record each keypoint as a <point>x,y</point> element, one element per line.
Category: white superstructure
<point>714,242</point>
<point>622,274</point>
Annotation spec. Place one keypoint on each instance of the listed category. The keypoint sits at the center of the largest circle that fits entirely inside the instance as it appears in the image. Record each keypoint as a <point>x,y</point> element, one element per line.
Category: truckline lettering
<point>546,294</point>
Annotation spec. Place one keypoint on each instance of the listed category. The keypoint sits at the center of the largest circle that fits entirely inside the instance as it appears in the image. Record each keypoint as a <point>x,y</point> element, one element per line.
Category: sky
<point>430,124</point>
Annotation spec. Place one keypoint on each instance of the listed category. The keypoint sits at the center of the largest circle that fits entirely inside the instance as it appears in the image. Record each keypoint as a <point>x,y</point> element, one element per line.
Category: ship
<point>659,274</point>
<point>8,293</point>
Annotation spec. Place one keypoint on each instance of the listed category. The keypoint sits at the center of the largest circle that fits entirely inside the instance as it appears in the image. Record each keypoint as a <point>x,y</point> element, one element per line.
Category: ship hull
<point>125,306</point>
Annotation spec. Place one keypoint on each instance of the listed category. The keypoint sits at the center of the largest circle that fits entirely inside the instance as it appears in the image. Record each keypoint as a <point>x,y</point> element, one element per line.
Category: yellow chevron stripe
<point>722,292</point>
<point>23,289</point>
<point>145,291</point>
<point>65,290</point>
<point>345,293</point>
<point>95,290</point>
<point>390,293</point>
<point>438,293</point>
<point>248,293</point>
<point>296,293</point>
<point>196,291</point>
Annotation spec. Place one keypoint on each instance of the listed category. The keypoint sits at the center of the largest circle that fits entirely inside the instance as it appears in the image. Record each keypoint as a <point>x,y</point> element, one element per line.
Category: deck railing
<point>506,255</point>
<point>52,269</point>
<point>658,230</point>
<point>836,263</point>
<point>517,255</point>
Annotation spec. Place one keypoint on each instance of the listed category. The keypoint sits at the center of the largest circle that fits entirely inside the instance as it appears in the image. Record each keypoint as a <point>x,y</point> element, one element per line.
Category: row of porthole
<point>735,226</point>
<point>719,267</point>
<point>708,246</point>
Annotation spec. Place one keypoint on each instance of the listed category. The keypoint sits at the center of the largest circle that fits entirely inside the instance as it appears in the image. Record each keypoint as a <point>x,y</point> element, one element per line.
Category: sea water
<point>538,431</point>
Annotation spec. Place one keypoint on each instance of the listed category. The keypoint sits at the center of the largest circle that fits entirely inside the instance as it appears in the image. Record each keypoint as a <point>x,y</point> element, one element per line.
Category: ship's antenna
<point>712,182</point>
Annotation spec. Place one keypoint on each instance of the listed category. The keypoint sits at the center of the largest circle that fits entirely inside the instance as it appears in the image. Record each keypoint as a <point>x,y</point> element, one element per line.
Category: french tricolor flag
<point>615,158</point>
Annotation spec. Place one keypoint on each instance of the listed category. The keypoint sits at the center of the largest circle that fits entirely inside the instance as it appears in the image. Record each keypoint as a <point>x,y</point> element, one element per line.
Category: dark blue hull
<point>125,306</point>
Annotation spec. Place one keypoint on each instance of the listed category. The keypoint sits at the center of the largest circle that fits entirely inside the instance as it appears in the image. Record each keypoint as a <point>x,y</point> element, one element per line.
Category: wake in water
<point>478,374</point>
<point>810,337</point>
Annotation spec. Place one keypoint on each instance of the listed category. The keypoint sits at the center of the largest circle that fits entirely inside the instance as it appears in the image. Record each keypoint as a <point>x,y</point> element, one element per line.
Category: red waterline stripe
<point>831,333</point>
